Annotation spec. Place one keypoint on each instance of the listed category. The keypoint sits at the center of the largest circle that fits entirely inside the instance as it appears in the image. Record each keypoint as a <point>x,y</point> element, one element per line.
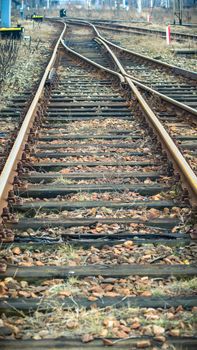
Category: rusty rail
<point>189,179</point>
<point>10,167</point>
<point>138,82</point>
<point>188,176</point>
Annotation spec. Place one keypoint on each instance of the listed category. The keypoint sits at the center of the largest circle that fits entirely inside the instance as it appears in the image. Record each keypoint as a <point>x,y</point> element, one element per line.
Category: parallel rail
<point>86,129</point>
<point>10,168</point>
<point>138,30</point>
<point>189,177</point>
<point>174,69</point>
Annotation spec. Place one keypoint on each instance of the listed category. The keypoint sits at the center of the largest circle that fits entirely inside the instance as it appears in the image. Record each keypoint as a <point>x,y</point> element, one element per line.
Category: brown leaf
<point>125,291</point>
<point>96,289</point>
<point>142,344</point>
<point>65,293</point>
<point>16,250</point>
<point>99,229</point>
<point>158,330</point>
<point>72,324</point>
<point>160,338</point>
<point>121,334</point>
<point>103,333</point>
<point>64,171</point>
<point>128,244</point>
<point>125,329</point>
<point>24,294</point>
<point>135,325</point>
<point>3,267</point>
<point>92,298</point>
<point>86,338</point>
<point>108,322</point>
<point>39,263</point>
<point>179,308</point>
<point>174,332</point>
<point>111,294</point>
<point>146,293</point>
<point>108,342</point>
<point>109,287</point>
<point>2,287</point>
<point>25,263</point>
<point>13,328</point>
<point>153,213</point>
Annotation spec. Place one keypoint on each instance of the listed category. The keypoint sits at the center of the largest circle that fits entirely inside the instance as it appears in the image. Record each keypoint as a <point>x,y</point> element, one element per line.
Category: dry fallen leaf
<point>175,332</point>
<point>72,324</point>
<point>65,293</point>
<point>146,293</point>
<point>142,344</point>
<point>160,338</point>
<point>16,250</point>
<point>86,338</point>
<point>108,342</point>
<point>158,330</point>
<point>135,325</point>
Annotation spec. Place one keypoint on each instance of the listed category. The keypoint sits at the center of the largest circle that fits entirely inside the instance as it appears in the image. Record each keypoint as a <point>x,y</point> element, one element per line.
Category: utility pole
<point>5,13</point>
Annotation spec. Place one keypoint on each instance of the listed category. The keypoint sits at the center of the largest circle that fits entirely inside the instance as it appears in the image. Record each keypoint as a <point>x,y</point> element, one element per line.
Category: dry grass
<point>99,322</point>
<point>160,17</point>
<point>178,287</point>
<point>32,57</point>
<point>156,48</point>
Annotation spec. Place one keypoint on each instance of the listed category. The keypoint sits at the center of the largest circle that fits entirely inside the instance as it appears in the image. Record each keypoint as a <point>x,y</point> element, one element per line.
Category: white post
<point>97,4</point>
<point>139,6</point>
<point>48,4</point>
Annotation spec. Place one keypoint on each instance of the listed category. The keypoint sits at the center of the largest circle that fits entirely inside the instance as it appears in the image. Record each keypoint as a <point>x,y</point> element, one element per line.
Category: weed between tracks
<point>96,288</point>
<point>156,48</point>
<point>107,322</point>
<point>124,253</point>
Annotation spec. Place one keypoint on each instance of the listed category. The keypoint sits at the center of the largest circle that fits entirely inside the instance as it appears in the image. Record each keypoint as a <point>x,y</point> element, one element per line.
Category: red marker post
<point>168,35</point>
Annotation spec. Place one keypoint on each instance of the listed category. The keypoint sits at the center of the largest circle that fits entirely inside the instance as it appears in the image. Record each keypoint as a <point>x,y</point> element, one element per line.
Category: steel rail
<point>168,99</point>
<point>10,167</point>
<point>177,70</point>
<point>189,179</point>
<point>145,31</point>
<point>139,82</point>
<point>139,30</point>
<point>187,174</point>
<point>97,65</point>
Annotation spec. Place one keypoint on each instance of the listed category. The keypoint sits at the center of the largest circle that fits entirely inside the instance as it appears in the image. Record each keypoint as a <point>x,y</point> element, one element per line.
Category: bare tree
<point>8,53</point>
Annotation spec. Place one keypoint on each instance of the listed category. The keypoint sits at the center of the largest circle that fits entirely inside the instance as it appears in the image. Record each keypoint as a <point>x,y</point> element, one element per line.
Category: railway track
<point>96,245</point>
<point>9,122</point>
<point>108,25</point>
<point>12,114</point>
<point>168,80</point>
<point>180,124</point>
